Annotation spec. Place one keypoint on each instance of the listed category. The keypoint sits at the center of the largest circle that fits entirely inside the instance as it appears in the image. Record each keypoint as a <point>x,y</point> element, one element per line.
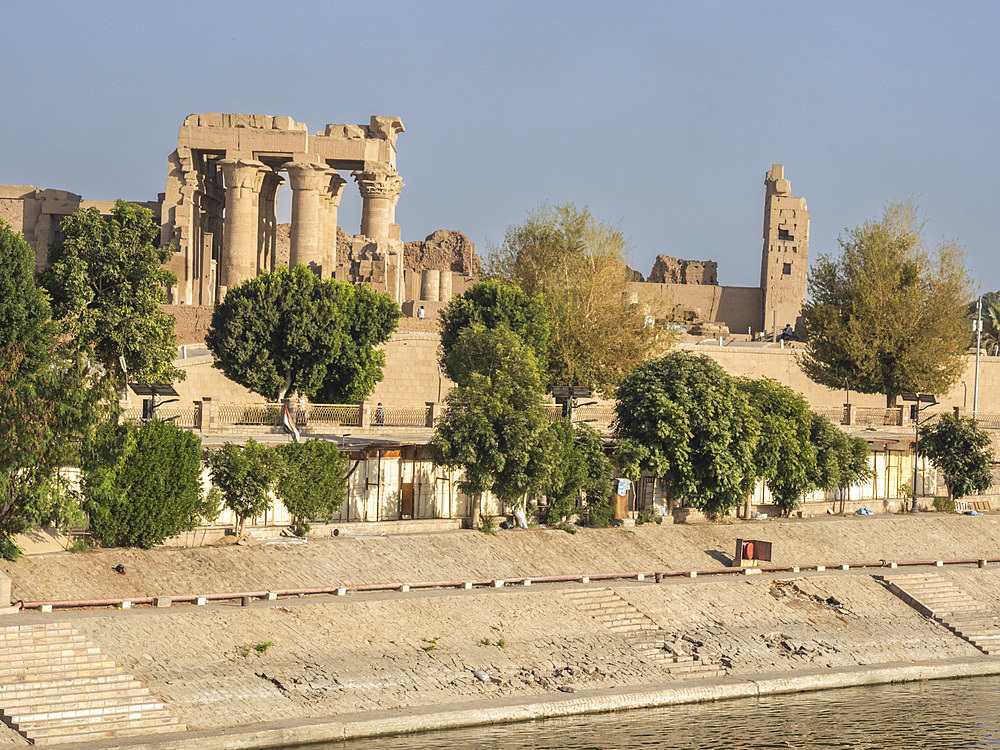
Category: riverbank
<point>396,659</point>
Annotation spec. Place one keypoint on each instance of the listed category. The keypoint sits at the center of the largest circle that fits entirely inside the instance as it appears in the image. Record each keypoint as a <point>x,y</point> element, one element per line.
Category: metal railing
<point>185,415</point>
<point>266,415</point>
<point>988,421</point>
<point>868,416</point>
<point>345,415</point>
<point>400,416</point>
<point>835,414</point>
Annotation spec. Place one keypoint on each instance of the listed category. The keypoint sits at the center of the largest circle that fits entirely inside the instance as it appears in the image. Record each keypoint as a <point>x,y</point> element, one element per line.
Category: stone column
<point>307,180</point>
<point>445,290</point>
<point>328,224</point>
<point>267,226</point>
<point>430,284</point>
<point>239,251</point>
<point>379,188</point>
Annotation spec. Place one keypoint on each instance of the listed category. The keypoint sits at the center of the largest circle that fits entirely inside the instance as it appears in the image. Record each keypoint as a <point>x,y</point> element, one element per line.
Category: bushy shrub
<point>312,484</point>
<point>141,485</point>
<point>245,474</point>
<point>944,505</point>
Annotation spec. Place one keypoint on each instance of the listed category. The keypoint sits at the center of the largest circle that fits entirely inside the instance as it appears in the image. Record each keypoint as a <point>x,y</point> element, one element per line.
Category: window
<point>786,269</point>
<point>783,234</point>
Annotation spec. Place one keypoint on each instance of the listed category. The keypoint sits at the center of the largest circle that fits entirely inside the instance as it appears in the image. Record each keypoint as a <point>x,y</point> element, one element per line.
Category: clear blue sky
<point>662,117</point>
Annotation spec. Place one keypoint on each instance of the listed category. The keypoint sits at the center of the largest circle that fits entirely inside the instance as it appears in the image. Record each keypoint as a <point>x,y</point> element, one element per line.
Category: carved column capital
<point>334,189</point>
<point>243,175</point>
<point>306,175</point>
<point>383,183</point>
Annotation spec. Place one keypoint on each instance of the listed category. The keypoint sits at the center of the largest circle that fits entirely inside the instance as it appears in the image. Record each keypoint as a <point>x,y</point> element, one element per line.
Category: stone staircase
<point>57,687</point>
<point>941,600</point>
<point>655,645</point>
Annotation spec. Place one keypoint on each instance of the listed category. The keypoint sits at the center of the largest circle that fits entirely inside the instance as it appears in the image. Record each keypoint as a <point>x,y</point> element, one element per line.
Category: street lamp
<point>926,399</point>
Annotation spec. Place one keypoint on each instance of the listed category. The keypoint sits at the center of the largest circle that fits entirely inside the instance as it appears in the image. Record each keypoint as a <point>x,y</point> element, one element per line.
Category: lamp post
<point>926,399</point>
<point>977,324</point>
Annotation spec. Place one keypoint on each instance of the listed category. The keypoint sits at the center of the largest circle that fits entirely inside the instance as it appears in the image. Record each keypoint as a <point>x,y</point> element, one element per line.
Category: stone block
<point>162,601</point>
<point>210,120</point>
<point>281,122</point>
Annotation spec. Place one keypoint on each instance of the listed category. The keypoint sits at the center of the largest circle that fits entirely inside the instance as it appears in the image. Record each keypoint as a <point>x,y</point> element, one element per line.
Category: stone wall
<point>37,214</point>
<point>668,270</point>
<point>737,306</point>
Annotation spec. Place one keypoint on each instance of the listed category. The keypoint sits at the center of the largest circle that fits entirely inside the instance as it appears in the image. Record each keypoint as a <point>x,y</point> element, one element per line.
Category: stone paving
<point>371,652</point>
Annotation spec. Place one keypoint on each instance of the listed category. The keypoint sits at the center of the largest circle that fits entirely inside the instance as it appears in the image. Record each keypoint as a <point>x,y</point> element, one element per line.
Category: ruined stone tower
<point>785,258</point>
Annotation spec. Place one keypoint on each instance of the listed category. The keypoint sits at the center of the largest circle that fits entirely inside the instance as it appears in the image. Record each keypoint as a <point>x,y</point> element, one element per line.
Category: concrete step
<point>30,660</point>
<point>59,671</point>
<point>63,647</point>
<point>85,711</point>
<point>53,698</point>
<point>152,713</point>
<point>84,732</point>
<point>15,688</point>
<point>589,593</point>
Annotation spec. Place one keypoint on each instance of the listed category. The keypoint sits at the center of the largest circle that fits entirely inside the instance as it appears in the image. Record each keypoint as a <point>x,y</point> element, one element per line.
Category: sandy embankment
<point>382,652</point>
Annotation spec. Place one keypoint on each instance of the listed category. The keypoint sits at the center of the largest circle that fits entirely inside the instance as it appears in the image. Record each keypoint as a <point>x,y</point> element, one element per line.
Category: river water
<point>915,716</point>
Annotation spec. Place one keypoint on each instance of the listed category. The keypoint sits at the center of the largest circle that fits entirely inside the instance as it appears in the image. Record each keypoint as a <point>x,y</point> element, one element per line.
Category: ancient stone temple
<point>218,209</point>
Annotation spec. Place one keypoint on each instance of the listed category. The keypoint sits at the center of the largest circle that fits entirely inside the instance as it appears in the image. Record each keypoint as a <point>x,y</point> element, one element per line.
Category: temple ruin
<point>687,291</point>
<point>218,208</point>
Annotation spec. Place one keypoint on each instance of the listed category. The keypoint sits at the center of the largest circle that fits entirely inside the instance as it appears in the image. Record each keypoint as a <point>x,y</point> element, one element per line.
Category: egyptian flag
<point>288,423</point>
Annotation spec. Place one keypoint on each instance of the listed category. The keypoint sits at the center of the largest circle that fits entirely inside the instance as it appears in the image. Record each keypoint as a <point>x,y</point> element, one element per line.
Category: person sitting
<point>420,312</point>
<point>788,334</point>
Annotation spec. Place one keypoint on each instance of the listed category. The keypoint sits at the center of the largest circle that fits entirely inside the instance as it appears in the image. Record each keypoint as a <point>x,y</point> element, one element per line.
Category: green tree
<point>492,304</point>
<point>246,475</point>
<point>961,450</point>
<point>682,418</point>
<point>142,484</point>
<point>370,319</point>
<point>841,459</point>
<point>784,457</point>
<point>598,510</point>
<point>494,424</point>
<point>24,308</point>
<point>312,484</point>
<point>45,415</point>
<point>888,315</point>
<point>579,475</point>
<point>566,475</point>
<point>107,283</point>
<point>578,266</point>
<point>288,331</point>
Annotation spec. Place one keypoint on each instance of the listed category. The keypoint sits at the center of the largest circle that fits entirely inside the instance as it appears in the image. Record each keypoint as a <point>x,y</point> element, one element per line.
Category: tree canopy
<point>45,415</point>
<point>961,451</point>
<point>578,475</point>
<point>107,282</point>
<point>492,304</point>
<point>288,331</point>
<point>682,418</point>
<point>142,484</point>
<point>841,459</point>
<point>50,398</point>
<point>577,265</point>
<point>494,425</point>
<point>24,308</point>
<point>246,475</point>
<point>784,456</point>
<point>888,315</point>
<point>312,483</point>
